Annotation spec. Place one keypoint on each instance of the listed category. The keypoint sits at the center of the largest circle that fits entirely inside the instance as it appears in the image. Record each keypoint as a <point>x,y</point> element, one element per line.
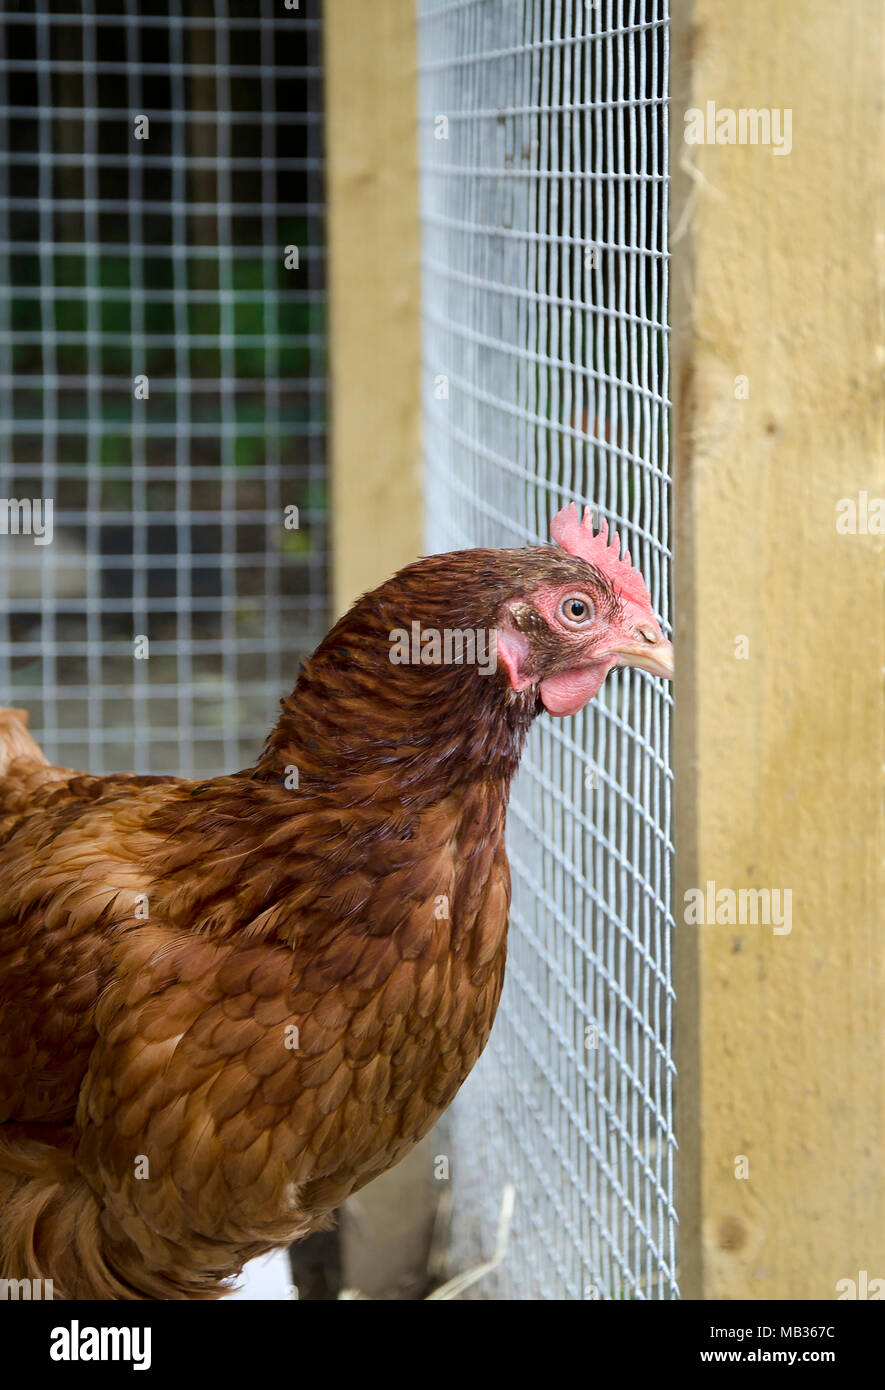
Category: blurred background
<point>162,374</point>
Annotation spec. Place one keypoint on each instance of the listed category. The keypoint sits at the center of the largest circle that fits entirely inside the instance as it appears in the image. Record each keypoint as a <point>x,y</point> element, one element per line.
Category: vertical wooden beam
<point>370,69</point>
<point>778,282</point>
<point>374,298</point>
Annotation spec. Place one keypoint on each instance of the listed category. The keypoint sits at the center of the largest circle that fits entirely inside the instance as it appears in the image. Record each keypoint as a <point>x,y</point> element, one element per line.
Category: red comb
<point>579,538</point>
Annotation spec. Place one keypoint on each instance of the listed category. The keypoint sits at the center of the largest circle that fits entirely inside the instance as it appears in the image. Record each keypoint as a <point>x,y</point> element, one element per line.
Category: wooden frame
<point>374,291</point>
<point>779,401</point>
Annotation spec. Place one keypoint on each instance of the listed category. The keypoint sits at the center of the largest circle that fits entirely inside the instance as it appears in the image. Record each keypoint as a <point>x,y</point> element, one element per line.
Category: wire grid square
<point>161,257</point>
<point>544,213</point>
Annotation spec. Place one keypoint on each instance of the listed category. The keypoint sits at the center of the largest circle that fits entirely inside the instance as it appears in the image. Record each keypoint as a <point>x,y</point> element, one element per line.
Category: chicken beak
<point>655,657</point>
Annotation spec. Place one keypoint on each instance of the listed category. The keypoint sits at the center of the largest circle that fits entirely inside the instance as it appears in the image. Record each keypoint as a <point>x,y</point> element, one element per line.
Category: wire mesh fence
<point>544,227</point>
<point>162,374</point>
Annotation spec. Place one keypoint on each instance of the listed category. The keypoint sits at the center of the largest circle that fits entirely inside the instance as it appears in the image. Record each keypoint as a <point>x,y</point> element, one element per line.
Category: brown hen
<point>226,1005</point>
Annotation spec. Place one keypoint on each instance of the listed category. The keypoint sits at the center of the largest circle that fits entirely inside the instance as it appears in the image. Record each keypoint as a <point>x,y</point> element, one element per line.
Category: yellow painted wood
<point>374,305</point>
<point>778,279</point>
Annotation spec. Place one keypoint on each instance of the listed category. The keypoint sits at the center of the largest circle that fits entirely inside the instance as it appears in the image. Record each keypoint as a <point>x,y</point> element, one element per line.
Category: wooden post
<point>374,293</point>
<point>370,67</point>
<point>780,405</point>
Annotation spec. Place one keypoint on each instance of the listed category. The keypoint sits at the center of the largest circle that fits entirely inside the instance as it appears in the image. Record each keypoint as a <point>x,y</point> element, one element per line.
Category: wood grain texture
<point>374,290</point>
<point>777,263</point>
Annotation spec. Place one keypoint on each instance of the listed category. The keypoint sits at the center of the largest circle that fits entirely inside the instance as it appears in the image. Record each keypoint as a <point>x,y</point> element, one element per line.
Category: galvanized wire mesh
<point>544,208</point>
<point>165,258</point>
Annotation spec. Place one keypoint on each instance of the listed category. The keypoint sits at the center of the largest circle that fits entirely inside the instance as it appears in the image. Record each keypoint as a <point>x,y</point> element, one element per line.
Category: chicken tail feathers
<point>49,1220</point>
<point>16,742</point>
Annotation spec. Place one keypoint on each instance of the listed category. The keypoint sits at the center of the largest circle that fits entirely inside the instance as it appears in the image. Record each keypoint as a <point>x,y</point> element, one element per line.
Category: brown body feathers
<point>226,1005</point>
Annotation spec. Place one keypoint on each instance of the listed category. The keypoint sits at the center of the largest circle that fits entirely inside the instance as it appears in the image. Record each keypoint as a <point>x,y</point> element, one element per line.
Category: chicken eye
<point>576,610</point>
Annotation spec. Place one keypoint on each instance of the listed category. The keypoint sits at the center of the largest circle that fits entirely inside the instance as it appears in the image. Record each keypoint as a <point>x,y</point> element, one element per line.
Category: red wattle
<point>570,690</point>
